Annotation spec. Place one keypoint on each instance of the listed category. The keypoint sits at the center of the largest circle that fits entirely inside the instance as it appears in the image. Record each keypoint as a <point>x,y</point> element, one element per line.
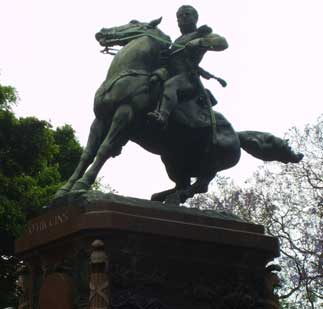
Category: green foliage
<point>34,161</point>
<point>288,201</point>
<point>69,150</point>
<point>8,277</point>
<point>8,97</point>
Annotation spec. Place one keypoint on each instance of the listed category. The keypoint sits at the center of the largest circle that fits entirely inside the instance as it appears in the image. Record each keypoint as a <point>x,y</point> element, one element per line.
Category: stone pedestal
<point>104,251</point>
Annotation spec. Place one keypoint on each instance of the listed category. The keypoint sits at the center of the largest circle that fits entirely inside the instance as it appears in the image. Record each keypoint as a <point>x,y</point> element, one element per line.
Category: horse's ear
<point>154,23</point>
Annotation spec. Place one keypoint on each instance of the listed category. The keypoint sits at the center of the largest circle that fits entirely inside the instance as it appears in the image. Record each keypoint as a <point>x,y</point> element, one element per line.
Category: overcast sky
<point>273,67</point>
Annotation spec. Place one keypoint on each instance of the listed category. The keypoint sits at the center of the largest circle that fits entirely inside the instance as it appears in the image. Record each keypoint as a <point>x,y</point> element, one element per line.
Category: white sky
<point>273,68</point>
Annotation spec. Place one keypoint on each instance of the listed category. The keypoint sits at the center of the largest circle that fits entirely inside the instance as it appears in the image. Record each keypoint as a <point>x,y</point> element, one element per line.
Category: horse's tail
<point>268,147</point>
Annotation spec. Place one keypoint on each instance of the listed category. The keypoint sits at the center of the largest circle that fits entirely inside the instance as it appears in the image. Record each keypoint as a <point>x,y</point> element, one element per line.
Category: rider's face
<point>186,20</point>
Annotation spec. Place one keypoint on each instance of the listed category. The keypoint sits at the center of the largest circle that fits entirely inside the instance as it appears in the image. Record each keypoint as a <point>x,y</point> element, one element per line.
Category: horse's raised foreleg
<point>111,145</point>
<point>97,132</point>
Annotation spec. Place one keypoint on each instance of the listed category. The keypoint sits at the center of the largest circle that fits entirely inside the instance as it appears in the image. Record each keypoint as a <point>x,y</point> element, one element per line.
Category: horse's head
<point>122,35</point>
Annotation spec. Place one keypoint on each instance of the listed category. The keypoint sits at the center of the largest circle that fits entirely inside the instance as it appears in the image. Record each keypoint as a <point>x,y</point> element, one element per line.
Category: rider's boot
<point>160,117</point>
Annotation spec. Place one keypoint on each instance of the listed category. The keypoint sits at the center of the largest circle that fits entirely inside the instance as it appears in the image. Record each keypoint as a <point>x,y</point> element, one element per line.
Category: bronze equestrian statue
<point>153,96</point>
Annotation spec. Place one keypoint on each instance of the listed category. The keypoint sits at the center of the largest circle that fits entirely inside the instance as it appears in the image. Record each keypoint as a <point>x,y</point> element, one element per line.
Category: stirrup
<point>158,118</point>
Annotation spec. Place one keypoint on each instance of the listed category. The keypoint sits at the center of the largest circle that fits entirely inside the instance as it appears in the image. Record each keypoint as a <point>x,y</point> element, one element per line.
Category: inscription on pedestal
<point>47,223</point>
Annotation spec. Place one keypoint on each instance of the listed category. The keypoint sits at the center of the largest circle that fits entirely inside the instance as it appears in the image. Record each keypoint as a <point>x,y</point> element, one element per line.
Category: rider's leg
<point>97,132</point>
<point>169,98</point>
<point>116,138</point>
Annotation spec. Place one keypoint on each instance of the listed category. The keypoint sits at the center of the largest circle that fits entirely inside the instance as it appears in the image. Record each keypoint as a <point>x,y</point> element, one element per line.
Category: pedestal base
<point>158,257</point>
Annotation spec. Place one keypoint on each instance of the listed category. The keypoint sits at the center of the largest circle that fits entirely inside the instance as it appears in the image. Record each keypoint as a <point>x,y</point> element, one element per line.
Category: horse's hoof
<point>173,199</point>
<point>60,192</point>
<point>157,197</point>
<point>80,185</point>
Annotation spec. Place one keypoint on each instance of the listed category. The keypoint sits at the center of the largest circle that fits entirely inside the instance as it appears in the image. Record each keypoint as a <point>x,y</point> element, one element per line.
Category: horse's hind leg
<point>97,132</point>
<point>200,186</point>
<point>161,196</point>
<point>113,142</point>
<point>176,173</point>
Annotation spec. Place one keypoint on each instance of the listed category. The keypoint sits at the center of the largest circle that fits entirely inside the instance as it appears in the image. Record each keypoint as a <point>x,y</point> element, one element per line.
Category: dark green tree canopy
<point>8,97</point>
<point>35,160</point>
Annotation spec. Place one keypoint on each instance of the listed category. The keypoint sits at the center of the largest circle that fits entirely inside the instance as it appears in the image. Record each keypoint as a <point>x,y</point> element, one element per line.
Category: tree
<point>288,201</point>
<point>8,97</point>
<point>34,161</point>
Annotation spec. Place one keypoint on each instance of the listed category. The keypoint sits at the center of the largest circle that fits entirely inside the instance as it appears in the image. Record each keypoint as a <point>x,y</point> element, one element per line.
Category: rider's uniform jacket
<point>188,50</point>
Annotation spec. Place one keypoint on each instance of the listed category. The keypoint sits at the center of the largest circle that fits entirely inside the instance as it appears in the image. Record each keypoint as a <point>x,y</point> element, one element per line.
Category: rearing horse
<point>122,103</point>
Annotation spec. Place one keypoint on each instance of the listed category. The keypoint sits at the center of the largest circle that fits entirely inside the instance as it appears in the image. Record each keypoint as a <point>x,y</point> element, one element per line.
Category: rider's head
<point>187,18</point>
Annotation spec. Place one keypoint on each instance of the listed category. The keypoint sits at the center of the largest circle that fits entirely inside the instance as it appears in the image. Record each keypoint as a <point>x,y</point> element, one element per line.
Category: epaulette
<point>204,30</point>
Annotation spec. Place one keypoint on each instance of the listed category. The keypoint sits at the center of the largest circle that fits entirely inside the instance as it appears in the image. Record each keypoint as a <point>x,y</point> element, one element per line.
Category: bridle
<point>138,33</point>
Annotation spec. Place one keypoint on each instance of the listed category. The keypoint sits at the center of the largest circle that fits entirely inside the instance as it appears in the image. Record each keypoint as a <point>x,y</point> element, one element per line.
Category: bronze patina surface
<point>153,96</point>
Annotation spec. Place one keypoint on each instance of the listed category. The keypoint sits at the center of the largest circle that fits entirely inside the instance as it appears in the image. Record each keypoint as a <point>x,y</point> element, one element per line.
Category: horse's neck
<point>139,54</point>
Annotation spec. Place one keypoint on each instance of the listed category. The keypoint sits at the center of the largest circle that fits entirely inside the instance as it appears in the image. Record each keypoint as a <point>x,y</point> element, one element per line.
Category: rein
<point>142,33</point>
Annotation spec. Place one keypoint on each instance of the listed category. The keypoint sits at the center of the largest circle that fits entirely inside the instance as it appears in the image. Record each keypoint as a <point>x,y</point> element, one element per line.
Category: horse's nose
<point>99,36</point>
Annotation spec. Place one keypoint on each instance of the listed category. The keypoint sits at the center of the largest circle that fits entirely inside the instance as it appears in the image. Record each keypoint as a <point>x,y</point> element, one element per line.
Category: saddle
<point>194,112</point>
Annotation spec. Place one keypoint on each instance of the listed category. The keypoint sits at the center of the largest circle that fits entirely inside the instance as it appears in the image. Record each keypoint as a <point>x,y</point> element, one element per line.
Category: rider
<point>183,71</point>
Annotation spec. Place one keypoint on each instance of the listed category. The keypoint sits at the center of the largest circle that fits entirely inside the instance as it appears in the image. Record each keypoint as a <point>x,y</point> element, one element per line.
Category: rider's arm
<point>209,42</point>
<point>214,42</point>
